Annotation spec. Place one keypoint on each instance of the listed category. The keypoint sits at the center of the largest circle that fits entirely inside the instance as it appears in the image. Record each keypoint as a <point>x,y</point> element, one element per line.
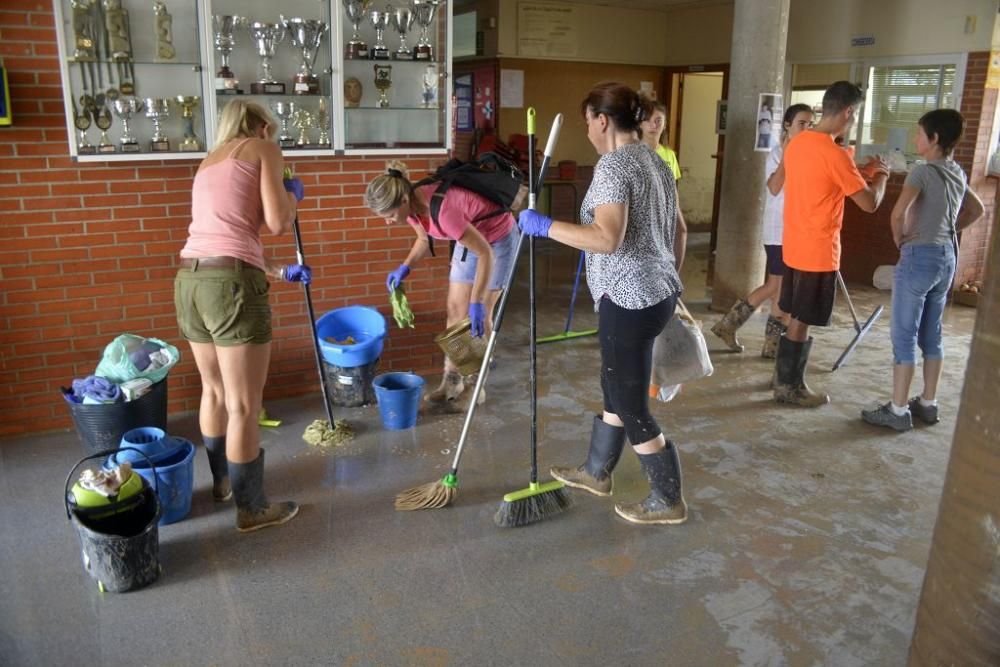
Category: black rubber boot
<point>665,502</point>
<point>216,450</point>
<point>606,445</point>
<point>253,511</point>
<point>790,368</point>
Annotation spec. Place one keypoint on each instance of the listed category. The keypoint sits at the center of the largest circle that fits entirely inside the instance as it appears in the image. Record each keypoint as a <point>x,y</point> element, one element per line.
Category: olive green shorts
<point>224,306</point>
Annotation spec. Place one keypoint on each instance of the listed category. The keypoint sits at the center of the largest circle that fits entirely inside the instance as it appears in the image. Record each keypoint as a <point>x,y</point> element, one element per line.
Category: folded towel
<point>95,389</point>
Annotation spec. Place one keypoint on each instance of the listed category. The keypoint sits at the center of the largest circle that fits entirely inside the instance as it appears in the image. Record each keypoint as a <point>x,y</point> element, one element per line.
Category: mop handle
<point>850,304</point>
<point>576,285</point>
<point>491,344</point>
<point>300,257</point>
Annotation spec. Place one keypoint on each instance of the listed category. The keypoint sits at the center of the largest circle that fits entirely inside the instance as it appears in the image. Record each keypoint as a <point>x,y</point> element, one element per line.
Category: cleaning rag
<point>106,482</point>
<point>96,390</point>
<point>401,311</point>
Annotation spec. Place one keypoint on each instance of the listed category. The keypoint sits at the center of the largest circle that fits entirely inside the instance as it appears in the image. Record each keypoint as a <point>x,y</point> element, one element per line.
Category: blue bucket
<point>363,324</point>
<point>398,397</point>
<point>147,439</point>
<point>174,480</point>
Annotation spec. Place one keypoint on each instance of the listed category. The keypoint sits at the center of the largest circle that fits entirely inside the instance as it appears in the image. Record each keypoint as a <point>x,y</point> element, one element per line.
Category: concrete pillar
<point>757,65</point>
<point>959,611</point>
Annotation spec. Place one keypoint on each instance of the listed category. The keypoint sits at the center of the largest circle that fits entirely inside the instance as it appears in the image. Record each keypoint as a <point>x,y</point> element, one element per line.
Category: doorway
<point>698,145</point>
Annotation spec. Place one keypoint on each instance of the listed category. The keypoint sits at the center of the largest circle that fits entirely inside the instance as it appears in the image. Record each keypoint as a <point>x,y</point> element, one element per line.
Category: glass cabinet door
<point>278,55</point>
<point>131,78</point>
<point>396,89</point>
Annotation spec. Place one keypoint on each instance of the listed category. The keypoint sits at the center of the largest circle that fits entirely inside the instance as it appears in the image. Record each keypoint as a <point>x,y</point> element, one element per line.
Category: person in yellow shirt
<point>653,130</point>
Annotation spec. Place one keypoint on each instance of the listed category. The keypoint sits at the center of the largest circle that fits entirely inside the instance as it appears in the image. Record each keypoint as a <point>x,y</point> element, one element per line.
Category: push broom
<point>442,493</point>
<point>538,501</point>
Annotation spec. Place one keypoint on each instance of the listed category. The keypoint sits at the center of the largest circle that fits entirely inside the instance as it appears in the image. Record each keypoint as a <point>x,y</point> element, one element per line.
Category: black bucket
<point>120,550</point>
<point>351,387</point>
<point>101,426</point>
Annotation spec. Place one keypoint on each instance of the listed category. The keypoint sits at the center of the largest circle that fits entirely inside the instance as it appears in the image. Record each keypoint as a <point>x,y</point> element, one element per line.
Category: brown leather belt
<point>195,263</point>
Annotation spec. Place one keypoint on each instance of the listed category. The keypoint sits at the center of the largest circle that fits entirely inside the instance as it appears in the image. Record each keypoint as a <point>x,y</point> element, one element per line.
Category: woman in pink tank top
<point>481,261</point>
<point>221,296</point>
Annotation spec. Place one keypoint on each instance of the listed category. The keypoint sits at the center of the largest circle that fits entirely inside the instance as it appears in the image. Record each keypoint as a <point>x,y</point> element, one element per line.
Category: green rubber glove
<point>401,309</point>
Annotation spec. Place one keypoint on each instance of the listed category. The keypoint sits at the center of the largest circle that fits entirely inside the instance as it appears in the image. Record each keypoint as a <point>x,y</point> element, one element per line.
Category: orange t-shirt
<point>819,174</point>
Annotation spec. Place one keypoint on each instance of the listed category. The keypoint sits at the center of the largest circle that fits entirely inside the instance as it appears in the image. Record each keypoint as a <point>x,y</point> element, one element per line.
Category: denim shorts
<point>224,306</point>
<point>921,282</point>
<point>463,262</point>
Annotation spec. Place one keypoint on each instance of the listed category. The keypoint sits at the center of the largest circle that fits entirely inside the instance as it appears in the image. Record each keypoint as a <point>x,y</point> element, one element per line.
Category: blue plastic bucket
<point>174,481</point>
<point>147,439</point>
<point>398,397</point>
<point>365,325</point>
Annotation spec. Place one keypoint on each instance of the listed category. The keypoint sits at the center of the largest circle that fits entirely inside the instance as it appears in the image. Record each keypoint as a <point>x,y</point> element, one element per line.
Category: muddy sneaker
<point>653,510</point>
<point>884,416</point>
<point>579,478</point>
<point>928,414</point>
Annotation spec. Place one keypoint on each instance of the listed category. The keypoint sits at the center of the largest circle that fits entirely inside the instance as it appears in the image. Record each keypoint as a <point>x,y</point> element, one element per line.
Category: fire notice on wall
<point>547,30</point>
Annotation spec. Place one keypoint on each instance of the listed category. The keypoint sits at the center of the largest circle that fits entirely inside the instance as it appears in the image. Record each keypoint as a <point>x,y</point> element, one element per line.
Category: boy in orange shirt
<point>819,174</point>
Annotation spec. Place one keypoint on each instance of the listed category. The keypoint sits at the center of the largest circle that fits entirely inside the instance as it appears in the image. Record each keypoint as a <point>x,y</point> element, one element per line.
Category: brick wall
<point>867,238</point>
<point>88,251</point>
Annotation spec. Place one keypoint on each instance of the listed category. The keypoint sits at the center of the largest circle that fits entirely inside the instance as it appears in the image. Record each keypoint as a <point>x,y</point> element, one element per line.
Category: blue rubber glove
<point>294,185</point>
<point>297,273</point>
<point>395,279</point>
<point>477,316</point>
<point>534,223</point>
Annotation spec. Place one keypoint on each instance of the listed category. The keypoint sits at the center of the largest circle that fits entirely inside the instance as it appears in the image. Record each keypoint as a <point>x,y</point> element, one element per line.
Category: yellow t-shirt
<point>670,157</point>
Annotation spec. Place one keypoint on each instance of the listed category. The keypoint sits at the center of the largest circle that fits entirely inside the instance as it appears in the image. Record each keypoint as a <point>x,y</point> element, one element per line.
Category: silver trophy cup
<point>306,35</point>
<point>158,110</point>
<point>125,108</point>
<point>266,36</point>
<point>224,37</point>
<point>424,10</point>
<point>356,47</point>
<point>401,19</point>
<point>379,21</point>
<point>283,110</point>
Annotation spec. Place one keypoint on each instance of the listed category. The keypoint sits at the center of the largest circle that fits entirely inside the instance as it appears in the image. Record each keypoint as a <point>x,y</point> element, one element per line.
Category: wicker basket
<point>461,348</point>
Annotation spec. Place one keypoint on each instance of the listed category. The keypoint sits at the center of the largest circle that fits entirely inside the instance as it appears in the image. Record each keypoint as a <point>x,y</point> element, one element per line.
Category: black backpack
<point>489,176</point>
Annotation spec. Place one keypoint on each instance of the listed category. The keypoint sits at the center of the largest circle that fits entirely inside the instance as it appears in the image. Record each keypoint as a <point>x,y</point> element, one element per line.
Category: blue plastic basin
<point>362,323</point>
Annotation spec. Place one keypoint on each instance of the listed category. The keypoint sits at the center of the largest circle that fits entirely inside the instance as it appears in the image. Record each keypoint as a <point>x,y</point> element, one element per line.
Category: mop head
<point>428,496</point>
<point>319,433</point>
<point>536,503</point>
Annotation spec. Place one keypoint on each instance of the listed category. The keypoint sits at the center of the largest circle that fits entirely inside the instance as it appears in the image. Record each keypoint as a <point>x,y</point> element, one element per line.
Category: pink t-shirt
<point>458,210</point>
<point>227,212</point>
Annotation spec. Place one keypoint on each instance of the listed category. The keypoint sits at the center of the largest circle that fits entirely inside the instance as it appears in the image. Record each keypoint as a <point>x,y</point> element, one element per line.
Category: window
<point>897,95</point>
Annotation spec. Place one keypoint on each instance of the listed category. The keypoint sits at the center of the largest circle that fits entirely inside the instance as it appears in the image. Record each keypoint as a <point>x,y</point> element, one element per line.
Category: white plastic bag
<point>679,355</point>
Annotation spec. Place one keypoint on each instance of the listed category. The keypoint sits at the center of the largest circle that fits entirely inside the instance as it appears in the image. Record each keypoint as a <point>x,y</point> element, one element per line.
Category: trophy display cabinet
<point>147,79</point>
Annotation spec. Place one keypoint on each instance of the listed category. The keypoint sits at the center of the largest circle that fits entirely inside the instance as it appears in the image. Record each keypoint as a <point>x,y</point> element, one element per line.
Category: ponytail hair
<point>625,107</point>
<point>386,191</point>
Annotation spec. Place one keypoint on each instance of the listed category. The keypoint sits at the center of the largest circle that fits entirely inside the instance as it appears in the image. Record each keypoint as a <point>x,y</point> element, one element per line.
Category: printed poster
<point>769,114</point>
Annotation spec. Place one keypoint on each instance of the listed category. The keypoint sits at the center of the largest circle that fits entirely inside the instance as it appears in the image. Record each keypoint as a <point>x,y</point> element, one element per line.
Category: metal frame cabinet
<point>166,56</point>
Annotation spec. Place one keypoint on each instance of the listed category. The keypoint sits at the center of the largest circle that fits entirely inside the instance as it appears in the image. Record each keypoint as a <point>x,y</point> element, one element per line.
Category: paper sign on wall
<point>511,88</point>
<point>548,30</point>
<point>769,114</point>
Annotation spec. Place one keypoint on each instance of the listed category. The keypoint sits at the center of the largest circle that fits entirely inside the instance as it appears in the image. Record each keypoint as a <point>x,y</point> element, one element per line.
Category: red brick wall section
<point>88,251</point>
<point>867,238</point>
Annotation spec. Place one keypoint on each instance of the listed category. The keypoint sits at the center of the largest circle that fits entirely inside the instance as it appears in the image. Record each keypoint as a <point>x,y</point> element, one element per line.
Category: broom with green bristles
<point>538,501</point>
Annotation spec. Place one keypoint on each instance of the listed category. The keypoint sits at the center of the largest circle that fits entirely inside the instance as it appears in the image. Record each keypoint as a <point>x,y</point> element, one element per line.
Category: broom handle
<point>300,257</point>
<point>501,309</point>
<point>532,327</point>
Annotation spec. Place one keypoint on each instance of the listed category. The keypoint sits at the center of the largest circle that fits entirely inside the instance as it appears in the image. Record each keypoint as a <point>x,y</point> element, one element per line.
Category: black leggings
<point>626,361</point>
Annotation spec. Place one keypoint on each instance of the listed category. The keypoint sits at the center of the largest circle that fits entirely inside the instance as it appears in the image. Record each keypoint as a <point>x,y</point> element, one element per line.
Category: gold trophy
<point>323,121</point>
<point>188,104</point>
<point>383,82</point>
